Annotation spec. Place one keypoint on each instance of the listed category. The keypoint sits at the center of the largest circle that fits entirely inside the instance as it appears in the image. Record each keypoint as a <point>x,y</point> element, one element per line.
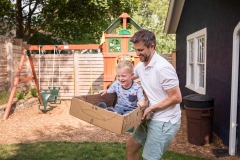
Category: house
<point>207,46</point>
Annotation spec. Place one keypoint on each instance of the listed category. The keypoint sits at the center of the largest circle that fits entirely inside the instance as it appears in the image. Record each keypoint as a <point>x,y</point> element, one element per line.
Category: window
<point>196,61</point>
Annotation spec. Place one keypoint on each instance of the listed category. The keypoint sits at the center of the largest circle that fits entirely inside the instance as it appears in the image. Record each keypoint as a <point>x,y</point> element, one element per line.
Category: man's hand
<point>146,114</point>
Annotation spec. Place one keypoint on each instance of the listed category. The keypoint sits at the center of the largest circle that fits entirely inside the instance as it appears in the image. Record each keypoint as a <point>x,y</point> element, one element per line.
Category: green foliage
<point>40,39</point>
<point>4,96</point>
<point>33,92</point>
<point>71,21</point>
<point>20,95</point>
<point>6,21</point>
<point>151,15</point>
<point>80,151</point>
<point>81,22</point>
<point>86,19</point>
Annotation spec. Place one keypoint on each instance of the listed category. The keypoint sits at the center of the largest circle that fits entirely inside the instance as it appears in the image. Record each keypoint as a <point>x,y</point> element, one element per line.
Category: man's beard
<point>144,58</point>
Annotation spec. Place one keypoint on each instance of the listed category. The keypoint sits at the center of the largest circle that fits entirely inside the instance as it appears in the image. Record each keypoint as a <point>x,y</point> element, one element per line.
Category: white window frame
<point>194,63</point>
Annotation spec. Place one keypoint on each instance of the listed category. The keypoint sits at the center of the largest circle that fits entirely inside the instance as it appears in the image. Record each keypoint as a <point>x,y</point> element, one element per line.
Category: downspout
<point>234,91</point>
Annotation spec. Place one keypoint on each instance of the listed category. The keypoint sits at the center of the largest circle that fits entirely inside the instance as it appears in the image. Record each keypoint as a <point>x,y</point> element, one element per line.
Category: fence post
<point>76,73</point>
<point>18,42</point>
<point>10,69</point>
<point>174,59</point>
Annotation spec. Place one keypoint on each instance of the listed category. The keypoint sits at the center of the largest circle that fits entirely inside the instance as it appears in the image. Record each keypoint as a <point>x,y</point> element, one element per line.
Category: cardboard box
<point>84,108</point>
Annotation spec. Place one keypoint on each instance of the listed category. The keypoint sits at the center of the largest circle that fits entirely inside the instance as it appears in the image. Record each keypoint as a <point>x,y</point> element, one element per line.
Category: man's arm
<point>174,97</point>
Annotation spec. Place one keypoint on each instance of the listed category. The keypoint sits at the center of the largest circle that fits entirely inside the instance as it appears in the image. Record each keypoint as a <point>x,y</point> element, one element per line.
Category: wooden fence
<point>76,74</point>
<point>10,56</point>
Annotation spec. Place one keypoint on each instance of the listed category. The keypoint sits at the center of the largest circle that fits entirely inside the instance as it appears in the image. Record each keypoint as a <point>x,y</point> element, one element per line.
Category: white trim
<point>173,16</point>
<point>234,91</point>
<point>169,16</point>
<point>193,37</point>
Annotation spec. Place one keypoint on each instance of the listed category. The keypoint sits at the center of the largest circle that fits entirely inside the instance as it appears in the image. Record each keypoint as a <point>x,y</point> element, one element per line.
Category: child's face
<point>125,77</point>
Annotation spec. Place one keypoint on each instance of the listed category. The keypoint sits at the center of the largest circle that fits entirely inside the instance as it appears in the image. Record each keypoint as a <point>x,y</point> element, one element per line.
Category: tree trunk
<point>19,17</point>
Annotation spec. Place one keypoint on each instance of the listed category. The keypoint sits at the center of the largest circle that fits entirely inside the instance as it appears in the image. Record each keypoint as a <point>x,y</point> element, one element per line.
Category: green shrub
<point>20,95</point>
<point>33,92</point>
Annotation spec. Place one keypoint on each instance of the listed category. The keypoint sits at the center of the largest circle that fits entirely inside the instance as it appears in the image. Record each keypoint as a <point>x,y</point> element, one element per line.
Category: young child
<point>129,93</point>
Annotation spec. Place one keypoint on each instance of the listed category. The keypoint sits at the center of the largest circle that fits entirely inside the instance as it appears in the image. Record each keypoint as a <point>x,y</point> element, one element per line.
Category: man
<point>162,119</point>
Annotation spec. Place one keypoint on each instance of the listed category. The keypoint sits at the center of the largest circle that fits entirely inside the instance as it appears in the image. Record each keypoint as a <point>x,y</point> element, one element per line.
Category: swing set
<point>51,93</point>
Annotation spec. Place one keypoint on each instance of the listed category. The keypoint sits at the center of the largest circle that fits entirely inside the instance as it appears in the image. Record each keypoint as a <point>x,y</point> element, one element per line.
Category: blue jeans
<point>118,108</point>
<point>122,110</point>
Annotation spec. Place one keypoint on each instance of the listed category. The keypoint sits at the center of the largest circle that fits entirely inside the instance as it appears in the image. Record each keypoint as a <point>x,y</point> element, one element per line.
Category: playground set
<point>114,47</point>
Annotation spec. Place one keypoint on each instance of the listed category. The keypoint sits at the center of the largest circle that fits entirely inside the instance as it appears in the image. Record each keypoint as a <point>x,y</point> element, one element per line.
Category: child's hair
<point>125,64</point>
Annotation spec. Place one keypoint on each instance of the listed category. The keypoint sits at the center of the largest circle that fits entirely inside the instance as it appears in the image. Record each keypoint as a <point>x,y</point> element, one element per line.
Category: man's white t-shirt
<point>159,75</point>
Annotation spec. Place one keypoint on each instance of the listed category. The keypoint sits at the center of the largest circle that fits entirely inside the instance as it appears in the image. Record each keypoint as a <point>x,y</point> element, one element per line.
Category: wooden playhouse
<point>117,47</point>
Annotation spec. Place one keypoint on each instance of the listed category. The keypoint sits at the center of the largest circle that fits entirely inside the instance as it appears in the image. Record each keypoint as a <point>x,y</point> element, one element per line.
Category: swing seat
<point>54,94</point>
<point>45,97</point>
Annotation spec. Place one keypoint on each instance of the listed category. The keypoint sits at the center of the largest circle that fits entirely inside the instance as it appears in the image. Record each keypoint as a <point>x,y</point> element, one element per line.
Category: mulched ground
<point>32,125</point>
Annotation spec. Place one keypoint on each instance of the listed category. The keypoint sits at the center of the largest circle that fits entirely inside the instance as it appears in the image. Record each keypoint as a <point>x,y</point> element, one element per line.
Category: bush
<point>20,95</point>
<point>33,92</point>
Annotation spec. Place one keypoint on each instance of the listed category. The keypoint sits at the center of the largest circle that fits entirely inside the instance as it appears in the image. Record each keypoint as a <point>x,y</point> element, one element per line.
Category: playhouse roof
<point>120,20</point>
<point>173,16</point>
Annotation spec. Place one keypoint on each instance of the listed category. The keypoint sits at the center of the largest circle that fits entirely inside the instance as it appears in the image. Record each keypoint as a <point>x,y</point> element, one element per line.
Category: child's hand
<point>102,92</point>
<point>142,104</point>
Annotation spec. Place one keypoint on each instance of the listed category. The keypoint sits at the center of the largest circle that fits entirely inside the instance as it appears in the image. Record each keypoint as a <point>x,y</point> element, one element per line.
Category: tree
<point>152,15</point>
<point>6,24</point>
<point>73,21</point>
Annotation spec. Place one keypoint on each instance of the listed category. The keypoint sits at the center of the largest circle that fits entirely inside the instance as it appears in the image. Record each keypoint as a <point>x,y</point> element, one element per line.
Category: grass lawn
<point>73,151</point>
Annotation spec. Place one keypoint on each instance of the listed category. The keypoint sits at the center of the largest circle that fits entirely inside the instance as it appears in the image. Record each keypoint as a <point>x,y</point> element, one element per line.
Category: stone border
<point>19,105</point>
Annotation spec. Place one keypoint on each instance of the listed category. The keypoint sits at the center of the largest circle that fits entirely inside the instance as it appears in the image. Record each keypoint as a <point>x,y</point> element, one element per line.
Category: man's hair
<point>145,36</point>
<point>125,64</point>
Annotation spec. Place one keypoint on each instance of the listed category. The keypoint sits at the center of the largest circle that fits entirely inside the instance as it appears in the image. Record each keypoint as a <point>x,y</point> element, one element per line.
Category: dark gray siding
<point>220,17</point>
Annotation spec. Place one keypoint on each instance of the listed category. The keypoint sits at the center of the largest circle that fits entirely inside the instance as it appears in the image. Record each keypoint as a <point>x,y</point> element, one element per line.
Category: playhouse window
<point>196,61</point>
<point>114,45</point>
